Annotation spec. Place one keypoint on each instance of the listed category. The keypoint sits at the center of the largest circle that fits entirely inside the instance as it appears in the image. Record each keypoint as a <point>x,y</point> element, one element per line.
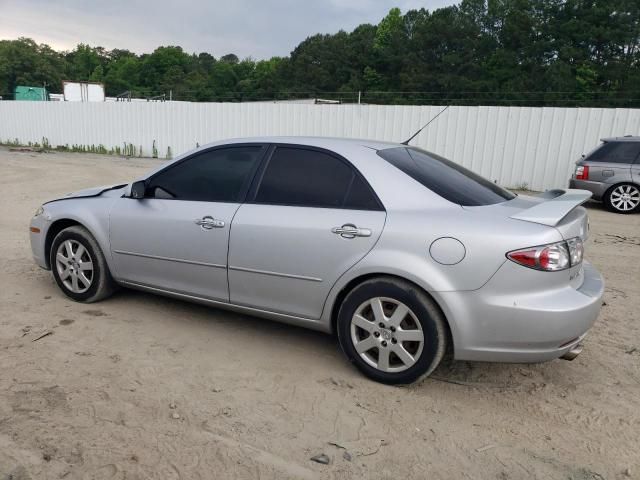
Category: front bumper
<point>598,189</point>
<point>498,323</point>
<point>37,239</point>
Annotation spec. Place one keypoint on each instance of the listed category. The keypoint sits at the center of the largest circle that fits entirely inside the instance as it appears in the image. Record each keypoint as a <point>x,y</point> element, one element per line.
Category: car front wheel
<point>79,267</point>
<point>391,330</point>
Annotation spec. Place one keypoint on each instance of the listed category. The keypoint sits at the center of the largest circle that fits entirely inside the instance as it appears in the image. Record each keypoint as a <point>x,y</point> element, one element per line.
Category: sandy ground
<point>256,399</point>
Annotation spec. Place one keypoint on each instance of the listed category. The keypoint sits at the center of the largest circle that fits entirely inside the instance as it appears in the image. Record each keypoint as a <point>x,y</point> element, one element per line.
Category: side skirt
<point>278,317</point>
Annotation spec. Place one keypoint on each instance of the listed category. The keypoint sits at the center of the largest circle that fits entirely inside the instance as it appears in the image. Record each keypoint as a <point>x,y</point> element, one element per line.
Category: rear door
<point>611,163</point>
<point>177,237</point>
<point>310,217</point>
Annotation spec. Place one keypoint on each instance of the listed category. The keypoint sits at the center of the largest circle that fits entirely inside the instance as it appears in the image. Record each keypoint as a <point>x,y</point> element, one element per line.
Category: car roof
<point>322,142</point>
<point>626,138</point>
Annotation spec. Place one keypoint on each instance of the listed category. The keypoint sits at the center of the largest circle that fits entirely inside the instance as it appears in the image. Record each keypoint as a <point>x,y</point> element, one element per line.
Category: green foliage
<point>128,149</point>
<point>97,75</point>
<point>13,143</point>
<point>169,154</point>
<point>491,52</point>
<point>389,28</point>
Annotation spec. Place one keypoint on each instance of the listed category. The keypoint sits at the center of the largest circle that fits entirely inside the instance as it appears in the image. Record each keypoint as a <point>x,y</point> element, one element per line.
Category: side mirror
<point>138,190</point>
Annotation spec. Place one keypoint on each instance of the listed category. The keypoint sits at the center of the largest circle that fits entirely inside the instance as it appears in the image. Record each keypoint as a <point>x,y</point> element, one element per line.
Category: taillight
<point>582,172</point>
<point>576,250</point>
<point>550,258</point>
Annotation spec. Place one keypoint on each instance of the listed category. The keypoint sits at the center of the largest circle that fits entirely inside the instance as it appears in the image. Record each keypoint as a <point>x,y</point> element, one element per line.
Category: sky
<point>249,28</point>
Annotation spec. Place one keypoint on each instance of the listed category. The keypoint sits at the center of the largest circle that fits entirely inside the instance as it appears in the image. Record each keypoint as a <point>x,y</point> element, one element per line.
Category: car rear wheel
<point>392,331</point>
<point>623,198</point>
<point>79,267</point>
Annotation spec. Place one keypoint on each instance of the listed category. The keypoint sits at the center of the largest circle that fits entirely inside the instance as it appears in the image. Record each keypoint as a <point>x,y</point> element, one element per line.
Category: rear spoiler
<point>555,206</point>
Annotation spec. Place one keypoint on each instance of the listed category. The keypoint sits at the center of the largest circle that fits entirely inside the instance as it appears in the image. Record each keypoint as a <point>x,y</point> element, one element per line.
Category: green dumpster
<point>31,93</point>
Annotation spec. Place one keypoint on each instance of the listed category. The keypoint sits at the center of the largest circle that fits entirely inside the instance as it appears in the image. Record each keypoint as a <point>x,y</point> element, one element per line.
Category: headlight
<point>39,211</point>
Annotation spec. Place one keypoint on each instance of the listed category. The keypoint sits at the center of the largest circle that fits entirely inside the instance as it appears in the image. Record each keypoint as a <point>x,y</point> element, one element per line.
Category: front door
<point>311,218</point>
<point>176,238</point>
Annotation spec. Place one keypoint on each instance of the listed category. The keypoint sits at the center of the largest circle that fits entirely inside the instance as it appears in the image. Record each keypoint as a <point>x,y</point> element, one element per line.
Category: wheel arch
<point>358,280</point>
<point>617,184</point>
<point>54,229</point>
<point>67,221</point>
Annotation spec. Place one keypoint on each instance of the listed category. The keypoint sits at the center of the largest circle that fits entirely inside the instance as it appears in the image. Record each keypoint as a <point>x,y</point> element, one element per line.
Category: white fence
<point>515,146</point>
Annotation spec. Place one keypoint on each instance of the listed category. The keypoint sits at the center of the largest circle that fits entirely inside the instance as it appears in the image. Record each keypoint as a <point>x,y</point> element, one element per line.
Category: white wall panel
<point>515,146</point>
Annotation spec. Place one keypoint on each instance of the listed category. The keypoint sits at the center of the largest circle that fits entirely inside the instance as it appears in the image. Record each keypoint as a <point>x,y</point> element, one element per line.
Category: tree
<point>84,60</point>
<point>492,52</point>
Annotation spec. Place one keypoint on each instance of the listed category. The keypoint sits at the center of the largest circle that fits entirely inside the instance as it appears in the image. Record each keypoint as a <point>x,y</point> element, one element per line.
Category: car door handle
<point>349,230</point>
<point>209,222</point>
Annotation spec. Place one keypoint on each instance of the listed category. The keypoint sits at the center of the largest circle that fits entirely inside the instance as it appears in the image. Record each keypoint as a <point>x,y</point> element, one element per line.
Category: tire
<point>363,340</point>
<point>86,263</point>
<point>623,198</point>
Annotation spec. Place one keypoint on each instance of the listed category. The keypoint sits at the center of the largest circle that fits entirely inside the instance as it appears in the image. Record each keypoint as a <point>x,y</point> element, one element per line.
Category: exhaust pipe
<point>573,353</point>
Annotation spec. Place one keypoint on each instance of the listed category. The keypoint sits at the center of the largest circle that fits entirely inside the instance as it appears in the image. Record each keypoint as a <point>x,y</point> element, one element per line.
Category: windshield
<point>446,178</point>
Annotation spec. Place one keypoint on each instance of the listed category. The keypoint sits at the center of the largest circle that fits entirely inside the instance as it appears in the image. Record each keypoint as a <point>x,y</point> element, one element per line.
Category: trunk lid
<point>560,209</point>
<point>553,206</point>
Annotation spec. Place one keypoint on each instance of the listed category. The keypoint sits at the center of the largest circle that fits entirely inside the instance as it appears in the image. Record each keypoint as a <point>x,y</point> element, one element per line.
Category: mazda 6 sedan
<point>402,254</point>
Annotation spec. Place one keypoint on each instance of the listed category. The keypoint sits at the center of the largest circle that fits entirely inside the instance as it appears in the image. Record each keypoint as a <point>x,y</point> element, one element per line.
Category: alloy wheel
<point>625,198</point>
<point>74,266</point>
<point>387,335</point>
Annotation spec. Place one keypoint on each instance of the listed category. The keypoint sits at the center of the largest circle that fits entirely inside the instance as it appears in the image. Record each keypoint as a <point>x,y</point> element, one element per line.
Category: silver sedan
<point>401,253</point>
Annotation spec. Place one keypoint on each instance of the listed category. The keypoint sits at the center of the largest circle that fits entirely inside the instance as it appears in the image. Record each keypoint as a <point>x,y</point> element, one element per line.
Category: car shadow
<point>321,346</point>
<point>593,205</point>
<point>196,315</point>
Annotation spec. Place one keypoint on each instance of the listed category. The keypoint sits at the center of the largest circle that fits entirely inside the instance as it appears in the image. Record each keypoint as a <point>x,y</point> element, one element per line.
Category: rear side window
<point>616,152</point>
<point>310,178</point>
<point>220,175</point>
<point>446,178</point>
<point>360,196</point>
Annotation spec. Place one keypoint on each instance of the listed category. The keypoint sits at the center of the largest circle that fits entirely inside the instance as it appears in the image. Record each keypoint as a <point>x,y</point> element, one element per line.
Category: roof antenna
<point>406,142</point>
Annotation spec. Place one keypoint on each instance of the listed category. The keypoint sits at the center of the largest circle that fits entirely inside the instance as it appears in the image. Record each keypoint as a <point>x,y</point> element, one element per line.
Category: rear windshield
<point>446,178</point>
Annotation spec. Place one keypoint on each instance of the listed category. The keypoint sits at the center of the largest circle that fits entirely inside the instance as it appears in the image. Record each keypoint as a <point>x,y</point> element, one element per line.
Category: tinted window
<point>311,178</point>
<point>219,175</point>
<point>360,196</point>
<point>616,152</point>
<point>449,180</point>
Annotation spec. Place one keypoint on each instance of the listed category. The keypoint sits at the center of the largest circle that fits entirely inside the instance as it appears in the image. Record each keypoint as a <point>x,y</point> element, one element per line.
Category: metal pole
<point>170,95</point>
<point>359,92</point>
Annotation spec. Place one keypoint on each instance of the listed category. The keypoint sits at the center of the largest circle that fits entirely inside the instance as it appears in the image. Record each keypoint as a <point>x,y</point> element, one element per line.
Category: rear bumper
<point>497,325</point>
<point>598,189</point>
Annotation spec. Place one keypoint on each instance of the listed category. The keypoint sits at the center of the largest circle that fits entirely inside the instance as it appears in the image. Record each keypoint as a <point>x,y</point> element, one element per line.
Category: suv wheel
<point>623,198</point>
<point>392,331</point>
<point>79,267</point>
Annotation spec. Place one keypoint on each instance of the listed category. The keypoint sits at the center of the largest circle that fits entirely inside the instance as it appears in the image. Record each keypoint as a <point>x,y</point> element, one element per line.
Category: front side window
<point>616,152</point>
<point>451,181</point>
<point>220,175</point>
<point>310,178</point>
